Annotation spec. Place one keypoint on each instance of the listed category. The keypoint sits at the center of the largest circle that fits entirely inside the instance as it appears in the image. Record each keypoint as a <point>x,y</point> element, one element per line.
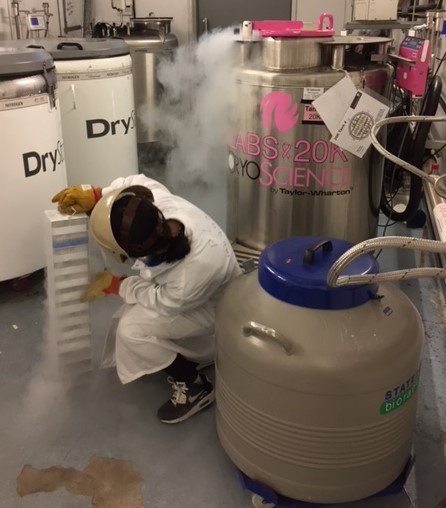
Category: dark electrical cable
<point>412,148</point>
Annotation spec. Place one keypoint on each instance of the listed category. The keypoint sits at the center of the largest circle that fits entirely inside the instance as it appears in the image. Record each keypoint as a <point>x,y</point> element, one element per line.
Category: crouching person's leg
<point>192,391</point>
<point>147,342</point>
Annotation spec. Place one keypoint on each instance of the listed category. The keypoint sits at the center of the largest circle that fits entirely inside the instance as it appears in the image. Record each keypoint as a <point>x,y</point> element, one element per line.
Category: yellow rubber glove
<point>104,283</point>
<point>77,199</point>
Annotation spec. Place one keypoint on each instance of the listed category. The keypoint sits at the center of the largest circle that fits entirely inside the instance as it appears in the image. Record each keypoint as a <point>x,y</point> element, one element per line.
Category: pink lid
<point>286,28</point>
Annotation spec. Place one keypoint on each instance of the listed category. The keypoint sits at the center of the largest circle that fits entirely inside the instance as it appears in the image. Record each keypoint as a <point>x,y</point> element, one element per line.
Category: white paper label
<point>349,115</point>
<point>333,104</point>
<point>440,220</point>
<point>312,93</point>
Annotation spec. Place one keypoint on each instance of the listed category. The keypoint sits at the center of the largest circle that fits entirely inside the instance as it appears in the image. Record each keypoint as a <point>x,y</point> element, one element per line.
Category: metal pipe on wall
<point>16,15</point>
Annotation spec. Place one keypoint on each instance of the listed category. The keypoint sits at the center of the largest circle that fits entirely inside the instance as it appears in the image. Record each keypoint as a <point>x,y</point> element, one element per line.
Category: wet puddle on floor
<point>111,483</point>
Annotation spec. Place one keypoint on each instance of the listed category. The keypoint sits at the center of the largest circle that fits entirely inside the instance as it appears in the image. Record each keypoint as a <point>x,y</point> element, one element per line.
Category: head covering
<point>137,225</point>
<point>127,223</point>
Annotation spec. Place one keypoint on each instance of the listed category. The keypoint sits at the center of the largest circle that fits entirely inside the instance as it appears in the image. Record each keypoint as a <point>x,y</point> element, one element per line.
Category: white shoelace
<point>180,389</point>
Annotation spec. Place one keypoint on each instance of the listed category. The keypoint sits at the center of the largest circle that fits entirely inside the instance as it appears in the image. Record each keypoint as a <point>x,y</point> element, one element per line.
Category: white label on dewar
<point>440,220</point>
<point>311,93</point>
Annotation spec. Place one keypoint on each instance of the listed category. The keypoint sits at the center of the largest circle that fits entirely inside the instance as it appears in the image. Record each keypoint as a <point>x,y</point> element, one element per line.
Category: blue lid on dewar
<point>295,271</point>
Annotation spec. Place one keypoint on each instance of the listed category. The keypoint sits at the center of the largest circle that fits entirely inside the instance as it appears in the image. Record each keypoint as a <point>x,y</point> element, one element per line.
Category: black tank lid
<point>16,61</point>
<point>74,48</point>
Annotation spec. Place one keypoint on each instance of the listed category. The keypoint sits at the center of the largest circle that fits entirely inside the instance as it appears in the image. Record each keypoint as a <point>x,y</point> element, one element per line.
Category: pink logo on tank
<point>278,109</point>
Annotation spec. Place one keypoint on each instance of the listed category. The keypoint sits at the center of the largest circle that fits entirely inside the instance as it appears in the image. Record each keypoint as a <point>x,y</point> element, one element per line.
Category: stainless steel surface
<point>335,48</point>
<point>436,19</point>
<point>22,87</point>
<point>25,72</point>
<point>356,39</point>
<point>338,58</point>
<point>380,25</point>
<point>147,49</point>
<point>296,182</point>
<point>398,58</point>
<point>16,13</point>
<point>151,25</point>
<point>286,54</point>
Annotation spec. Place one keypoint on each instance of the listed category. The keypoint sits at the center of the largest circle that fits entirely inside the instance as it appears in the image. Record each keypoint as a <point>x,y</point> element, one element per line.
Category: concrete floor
<point>181,466</point>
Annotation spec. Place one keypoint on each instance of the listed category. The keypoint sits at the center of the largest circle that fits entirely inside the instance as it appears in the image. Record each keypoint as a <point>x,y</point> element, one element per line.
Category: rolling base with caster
<point>264,497</point>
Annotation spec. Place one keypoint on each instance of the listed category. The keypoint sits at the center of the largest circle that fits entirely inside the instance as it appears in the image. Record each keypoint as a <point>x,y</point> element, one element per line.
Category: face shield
<point>112,259</point>
<point>142,230</point>
<point>101,222</point>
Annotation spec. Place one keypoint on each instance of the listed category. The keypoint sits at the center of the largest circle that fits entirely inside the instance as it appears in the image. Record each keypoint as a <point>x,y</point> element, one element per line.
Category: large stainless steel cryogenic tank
<point>150,41</point>
<point>285,176</point>
<point>33,160</point>
<point>316,386</point>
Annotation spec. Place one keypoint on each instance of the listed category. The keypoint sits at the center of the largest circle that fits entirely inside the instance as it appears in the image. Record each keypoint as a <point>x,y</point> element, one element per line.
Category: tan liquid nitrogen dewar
<point>316,386</point>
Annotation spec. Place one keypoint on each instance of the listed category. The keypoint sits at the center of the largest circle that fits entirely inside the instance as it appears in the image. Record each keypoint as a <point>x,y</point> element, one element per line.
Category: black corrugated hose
<point>411,148</point>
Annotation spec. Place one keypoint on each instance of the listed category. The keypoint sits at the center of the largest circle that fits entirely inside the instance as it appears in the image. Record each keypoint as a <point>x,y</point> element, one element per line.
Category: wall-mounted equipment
<point>413,65</point>
<point>37,21</point>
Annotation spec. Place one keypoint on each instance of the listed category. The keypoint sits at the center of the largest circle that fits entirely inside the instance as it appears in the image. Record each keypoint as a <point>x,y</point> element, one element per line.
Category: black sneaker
<point>186,400</point>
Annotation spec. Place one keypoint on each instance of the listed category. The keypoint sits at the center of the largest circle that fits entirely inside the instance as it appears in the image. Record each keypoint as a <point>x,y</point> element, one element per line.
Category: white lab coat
<point>170,308</point>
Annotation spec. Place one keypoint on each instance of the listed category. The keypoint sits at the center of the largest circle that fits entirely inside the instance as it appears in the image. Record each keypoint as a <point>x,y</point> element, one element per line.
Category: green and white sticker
<point>397,402</point>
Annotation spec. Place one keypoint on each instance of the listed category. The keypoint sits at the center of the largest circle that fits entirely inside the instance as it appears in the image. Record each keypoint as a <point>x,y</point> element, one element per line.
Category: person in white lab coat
<point>184,261</point>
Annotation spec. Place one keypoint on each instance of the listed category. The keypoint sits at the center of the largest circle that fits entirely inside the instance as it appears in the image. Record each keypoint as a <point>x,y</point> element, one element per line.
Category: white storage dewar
<point>32,156</point>
<point>95,84</point>
<point>98,110</point>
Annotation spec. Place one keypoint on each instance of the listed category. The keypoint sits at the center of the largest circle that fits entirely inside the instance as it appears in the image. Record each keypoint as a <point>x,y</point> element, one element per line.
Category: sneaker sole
<point>205,402</point>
